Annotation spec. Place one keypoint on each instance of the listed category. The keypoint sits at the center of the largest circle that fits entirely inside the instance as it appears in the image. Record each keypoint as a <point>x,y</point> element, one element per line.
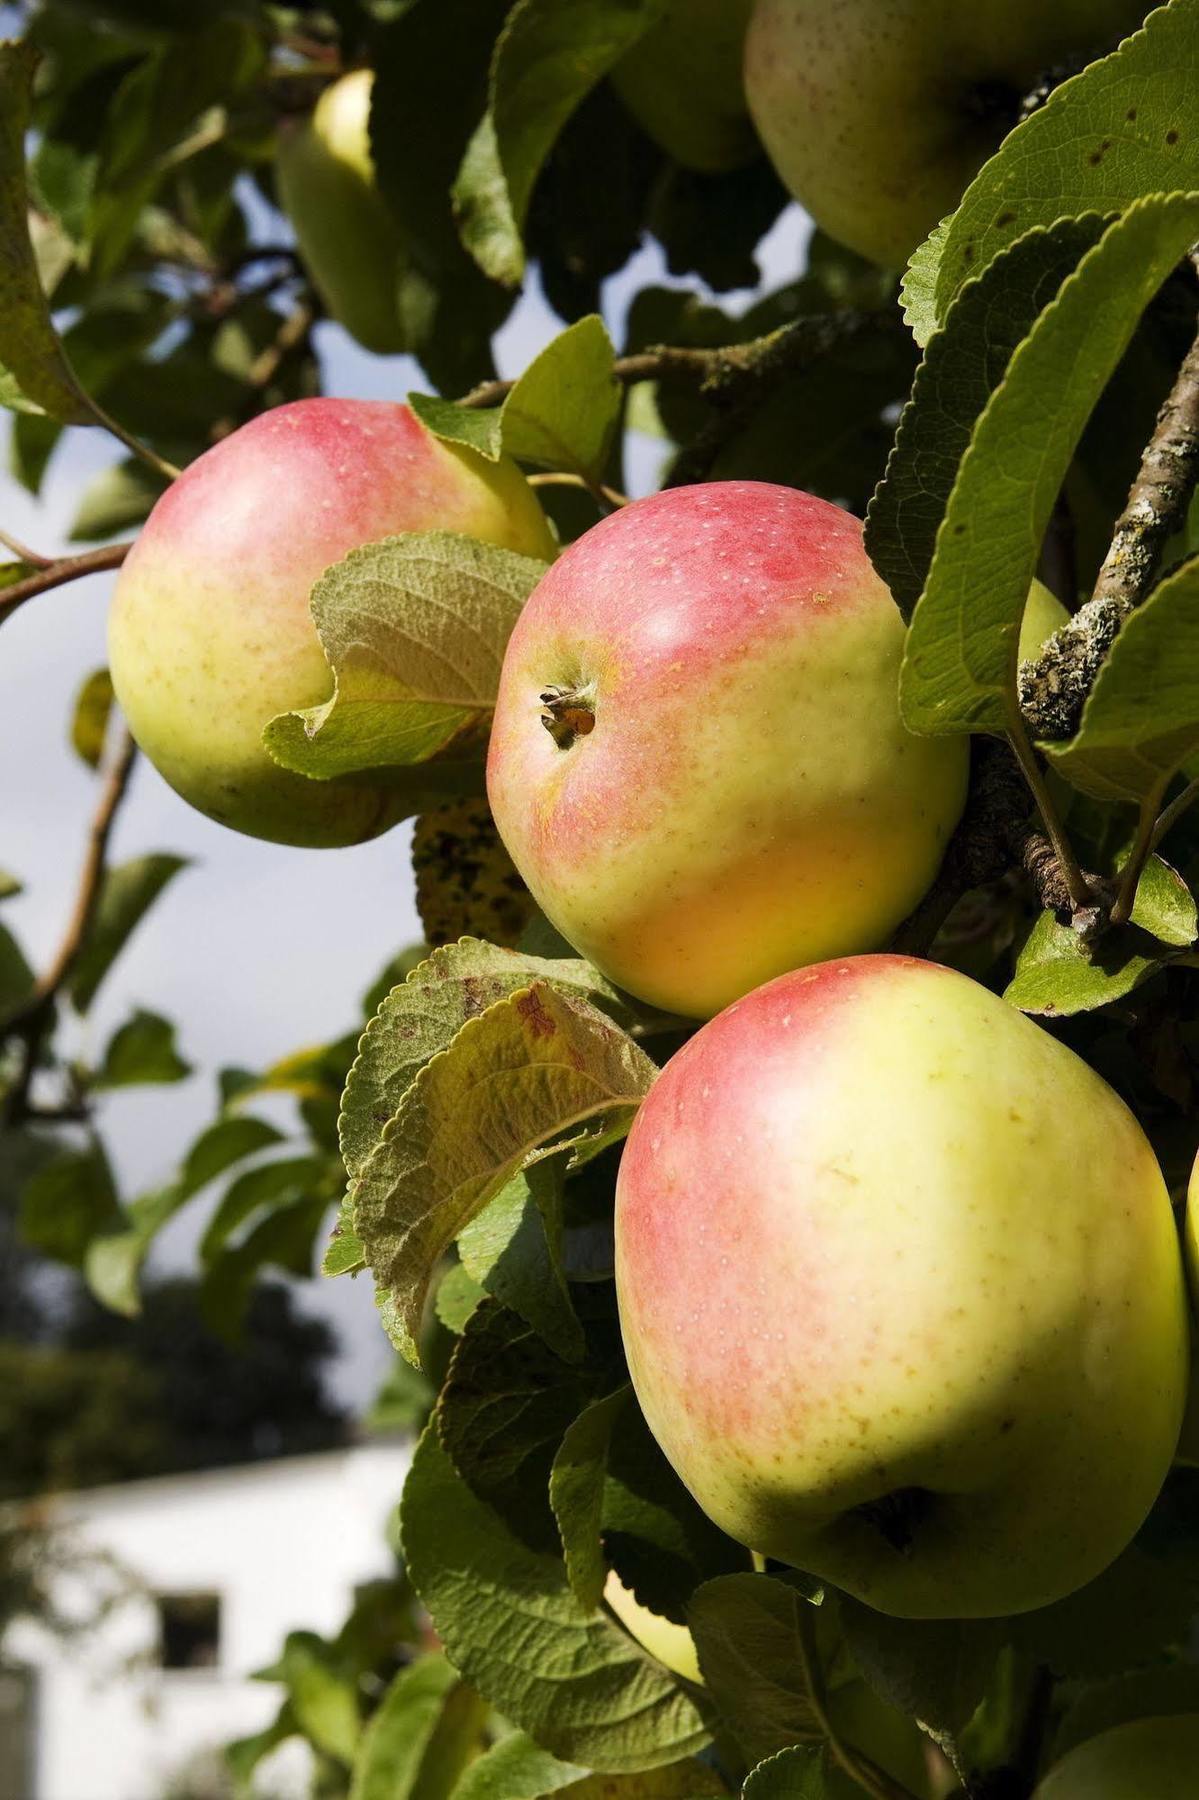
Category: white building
<point>223,1565</point>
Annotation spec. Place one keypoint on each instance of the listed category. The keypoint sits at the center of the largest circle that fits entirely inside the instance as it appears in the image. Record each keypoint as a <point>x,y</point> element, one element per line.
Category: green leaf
<point>1140,1606</point>
<point>518,1769</point>
<point>89,721</point>
<point>1121,129</point>
<point>112,1264</point>
<point>422,1015</point>
<point>531,1069</point>
<point>9,885</point>
<point>962,366</point>
<point>547,58</point>
<point>752,1635</point>
<point>1058,974</point>
<point>35,375</point>
<point>414,628</point>
<point>68,1202</point>
<point>800,1773</point>
<point>458,1295</point>
<point>323,1698</point>
<point>586,1693</point>
<point>959,669</point>
<point>12,572</point>
<point>1141,718</point>
<point>655,1536</point>
<point>223,1143</point>
<point>142,1050</point>
<point>577,1494</point>
<point>257,1193</point>
<point>513,1249</point>
<point>243,1755</point>
<point>389,1761</point>
<point>935,1670</point>
<point>504,1407</point>
<point>561,413</point>
<point>126,895</point>
<point>16,977</point>
<point>116,499</point>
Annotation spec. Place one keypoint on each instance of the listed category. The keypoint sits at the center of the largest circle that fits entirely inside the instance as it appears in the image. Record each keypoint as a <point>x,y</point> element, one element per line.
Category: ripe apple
<point>877,114</point>
<point>697,762</point>
<point>347,234</point>
<point>210,634</point>
<point>900,1290</point>
<point>682,83</point>
<point>1147,1759</point>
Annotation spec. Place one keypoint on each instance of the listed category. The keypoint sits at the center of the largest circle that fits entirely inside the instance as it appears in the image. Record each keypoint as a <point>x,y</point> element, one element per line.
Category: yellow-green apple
<point>210,633</point>
<point>855,1711</point>
<point>672,1644</point>
<point>878,113</point>
<point>697,762</point>
<point>346,232</point>
<point>1188,1443</point>
<point>1147,1759</point>
<point>682,82</point>
<point>900,1290</point>
<point>1043,615</point>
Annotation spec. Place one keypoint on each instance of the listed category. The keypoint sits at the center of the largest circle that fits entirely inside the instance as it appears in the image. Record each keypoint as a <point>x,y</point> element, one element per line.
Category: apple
<point>877,114</point>
<point>671,1644</point>
<point>900,1290</point>
<point>682,83</point>
<point>210,633</point>
<point>346,232</point>
<point>697,762</point>
<point>858,1716</point>
<point>1188,1443</point>
<point>1147,1759</point>
<point>1043,615</point>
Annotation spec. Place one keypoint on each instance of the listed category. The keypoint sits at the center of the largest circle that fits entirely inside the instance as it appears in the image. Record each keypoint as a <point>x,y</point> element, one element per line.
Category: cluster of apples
<point>875,113</point>
<point>898,1274</point>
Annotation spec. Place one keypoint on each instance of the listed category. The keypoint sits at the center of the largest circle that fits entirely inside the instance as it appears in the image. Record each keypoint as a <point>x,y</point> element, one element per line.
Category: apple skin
<point>1188,1443</point>
<point>672,1645</point>
<point>347,235</point>
<point>682,83</point>
<point>900,1291</point>
<point>210,634</point>
<point>748,799</point>
<point>870,109</point>
<point>1147,1759</point>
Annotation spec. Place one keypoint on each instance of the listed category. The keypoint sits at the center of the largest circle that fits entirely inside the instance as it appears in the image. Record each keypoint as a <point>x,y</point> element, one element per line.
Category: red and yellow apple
<point>697,762</point>
<point>682,82</point>
<point>210,633</point>
<point>877,114</point>
<point>1147,1759</point>
<point>900,1290</point>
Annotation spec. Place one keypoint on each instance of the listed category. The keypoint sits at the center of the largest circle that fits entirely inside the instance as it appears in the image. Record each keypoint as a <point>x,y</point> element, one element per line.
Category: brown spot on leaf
<point>1171,137</point>
<point>1005,218</point>
<point>533,1012</point>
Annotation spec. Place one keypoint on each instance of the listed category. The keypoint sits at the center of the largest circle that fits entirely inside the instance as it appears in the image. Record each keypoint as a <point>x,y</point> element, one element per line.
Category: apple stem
<point>568,713</point>
<point>1077,887</point>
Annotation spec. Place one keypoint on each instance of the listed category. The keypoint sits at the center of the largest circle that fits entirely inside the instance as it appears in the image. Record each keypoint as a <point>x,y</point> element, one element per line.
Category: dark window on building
<point>189,1630</point>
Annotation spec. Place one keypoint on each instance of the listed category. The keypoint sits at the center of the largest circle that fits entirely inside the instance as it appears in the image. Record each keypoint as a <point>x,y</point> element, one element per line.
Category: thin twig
<point>1174,812</point>
<point>1054,687</point>
<point>143,452</point>
<point>54,574</point>
<point>1081,896</point>
<point>567,478</point>
<point>23,553</point>
<point>29,1022</point>
<point>1138,856</point>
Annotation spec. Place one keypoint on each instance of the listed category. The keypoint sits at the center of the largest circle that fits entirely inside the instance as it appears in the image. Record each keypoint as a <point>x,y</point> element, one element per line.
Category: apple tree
<point>772,1166</point>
